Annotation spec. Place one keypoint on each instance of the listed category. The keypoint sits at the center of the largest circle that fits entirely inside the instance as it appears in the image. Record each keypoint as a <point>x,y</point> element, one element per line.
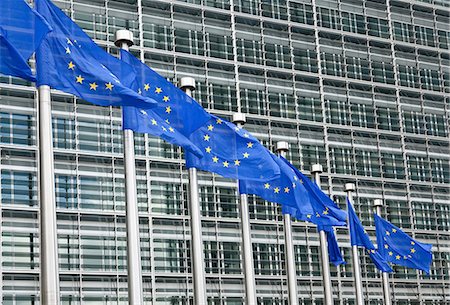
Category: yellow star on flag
<point>309,216</point>
<point>208,149</point>
<point>71,66</point>
<point>93,86</point>
<point>206,137</point>
<point>67,50</point>
<point>146,87</point>
<point>168,109</point>
<point>166,99</point>
<point>286,190</point>
<point>171,129</point>
<point>164,128</point>
<point>154,122</point>
<point>237,162</point>
<point>390,253</point>
<point>210,127</point>
<point>80,79</point>
<point>276,190</point>
<point>394,230</point>
<point>249,145</point>
<point>219,121</point>
<point>397,257</point>
<point>225,164</point>
<point>158,90</point>
<point>109,86</point>
<point>246,155</point>
<point>386,246</point>
<point>413,250</point>
<point>413,243</point>
<point>215,159</point>
<point>325,212</point>
<point>388,233</point>
<point>267,186</point>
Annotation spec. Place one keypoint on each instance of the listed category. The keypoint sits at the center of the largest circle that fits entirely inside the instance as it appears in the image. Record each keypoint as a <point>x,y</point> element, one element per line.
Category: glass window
<point>309,108</point>
<point>301,13</point>
<point>353,23</point>
<point>19,188</point>
<point>387,118</point>
<point>189,41</point>
<point>392,165</point>
<point>342,161</point>
<point>328,18</point>
<point>19,129</point>
<point>378,27</point>
<point>338,112</point>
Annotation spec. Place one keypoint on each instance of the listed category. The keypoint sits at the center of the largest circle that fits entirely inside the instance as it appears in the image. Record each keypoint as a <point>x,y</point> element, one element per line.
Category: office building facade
<point>360,86</point>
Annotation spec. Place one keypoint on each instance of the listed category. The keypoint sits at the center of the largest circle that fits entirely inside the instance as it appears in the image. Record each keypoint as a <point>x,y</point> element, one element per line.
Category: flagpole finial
<point>350,187</point>
<point>187,83</point>
<point>316,168</point>
<point>282,146</point>
<point>378,202</point>
<point>239,118</point>
<point>124,37</point>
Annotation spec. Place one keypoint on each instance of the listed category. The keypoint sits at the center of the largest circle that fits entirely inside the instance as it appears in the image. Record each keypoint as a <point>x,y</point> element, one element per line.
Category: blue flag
<point>396,247</point>
<point>231,151</point>
<point>334,253</point>
<point>285,190</point>
<point>326,211</point>
<point>148,120</point>
<point>21,31</point>
<point>173,105</point>
<point>70,61</point>
<point>359,237</point>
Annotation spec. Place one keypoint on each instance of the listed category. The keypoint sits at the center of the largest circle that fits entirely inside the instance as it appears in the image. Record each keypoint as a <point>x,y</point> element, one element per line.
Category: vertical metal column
<point>49,275</point>
<point>349,188</point>
<point>316,170</point>
<point>378,203</point>
<point>281,148</point>
<point>124,39</point>
<point>187,84</point>
<point>247,250</point>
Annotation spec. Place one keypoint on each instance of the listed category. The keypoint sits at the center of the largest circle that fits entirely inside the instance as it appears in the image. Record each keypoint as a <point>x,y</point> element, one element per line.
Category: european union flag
<point>21,31</point>
<point>173,105</point>
<point>231,151</point>
<point>334,253</point>
<point>396,247</point>
<point>174,109</point>
<point>147,121</point>
<point>359,237</point>
<point>285,190</point>
<point>70,61</point>
<point>326,211</point>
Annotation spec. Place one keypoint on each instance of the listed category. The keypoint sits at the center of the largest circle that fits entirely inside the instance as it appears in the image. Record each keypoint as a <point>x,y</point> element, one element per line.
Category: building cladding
<point>359,86</point>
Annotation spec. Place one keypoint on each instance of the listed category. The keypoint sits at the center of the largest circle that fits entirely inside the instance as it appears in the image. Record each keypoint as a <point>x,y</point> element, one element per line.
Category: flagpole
<point>282,148</point>
<point>378,203</point>
<point>316,170</point>
<point>124,39</point>
<point>349,188</point>
<point>247,252</point>
<point>49,274</point>
<point>187,84</point>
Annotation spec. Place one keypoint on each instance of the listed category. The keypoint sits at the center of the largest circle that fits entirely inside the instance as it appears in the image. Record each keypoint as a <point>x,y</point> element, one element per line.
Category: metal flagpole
<point>49,275</point>
<point>349,188</point>
<point>124,39</point>
<point>187,84</point>
<point>378,203</point>
<point>281,148</point>
<point>247,251</point>
<point>316,170</point>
